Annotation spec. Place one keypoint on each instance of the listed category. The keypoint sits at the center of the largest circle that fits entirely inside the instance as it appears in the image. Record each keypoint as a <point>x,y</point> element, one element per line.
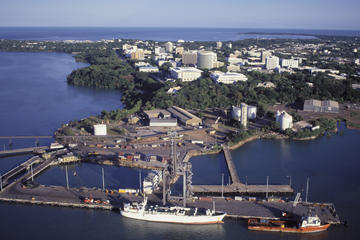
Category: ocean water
<point>157,34</point>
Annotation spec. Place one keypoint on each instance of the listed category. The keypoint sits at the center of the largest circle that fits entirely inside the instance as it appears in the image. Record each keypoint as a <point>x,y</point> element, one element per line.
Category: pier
<point>24,137</point>
<point>22,151</point>
<point>238,188</point>
<point>231,166</point>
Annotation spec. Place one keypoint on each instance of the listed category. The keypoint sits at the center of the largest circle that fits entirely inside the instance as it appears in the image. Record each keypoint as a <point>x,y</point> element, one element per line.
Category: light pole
<point>222,185</point>
<point>289,180</point>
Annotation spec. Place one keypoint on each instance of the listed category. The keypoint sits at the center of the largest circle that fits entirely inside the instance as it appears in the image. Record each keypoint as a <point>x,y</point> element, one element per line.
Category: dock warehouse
<point>328,106</point>
<point>184,116</point>
<point>166,122</point>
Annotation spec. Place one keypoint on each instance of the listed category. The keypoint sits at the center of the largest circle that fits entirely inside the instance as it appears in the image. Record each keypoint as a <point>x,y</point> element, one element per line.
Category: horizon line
<point>189,27</point>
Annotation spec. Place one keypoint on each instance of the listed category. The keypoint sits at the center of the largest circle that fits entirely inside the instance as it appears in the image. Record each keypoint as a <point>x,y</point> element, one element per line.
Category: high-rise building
<point>169,47</point>
<point>289,63</point>
<point>137,55</point>
<point>271,62</point>
<point>189,58</point>
<point>206,59</point>
<point>264,55</point>
<point>218,45</point>
<point>179,50</point>
<point>159,50</point>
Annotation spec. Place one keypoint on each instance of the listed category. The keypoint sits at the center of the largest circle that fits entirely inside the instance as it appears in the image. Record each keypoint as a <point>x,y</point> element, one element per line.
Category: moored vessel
<point>308,224</point>
<point>175,214</point>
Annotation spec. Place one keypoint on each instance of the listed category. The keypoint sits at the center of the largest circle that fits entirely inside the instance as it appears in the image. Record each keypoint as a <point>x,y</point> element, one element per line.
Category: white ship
<point>142,211</point>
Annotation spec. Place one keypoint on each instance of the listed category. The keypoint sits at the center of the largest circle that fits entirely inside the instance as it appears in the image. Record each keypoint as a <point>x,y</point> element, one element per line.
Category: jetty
<point>231,166</point>
<point>236,187</point>
<point>19,151</point>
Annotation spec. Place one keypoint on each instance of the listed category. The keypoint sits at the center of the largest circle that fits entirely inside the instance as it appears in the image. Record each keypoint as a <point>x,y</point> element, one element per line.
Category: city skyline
<point>277,14</point>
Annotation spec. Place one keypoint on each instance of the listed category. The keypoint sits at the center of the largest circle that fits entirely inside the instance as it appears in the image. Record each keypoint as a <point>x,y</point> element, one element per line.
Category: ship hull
<point>290,230</point>
<point>164,218</point>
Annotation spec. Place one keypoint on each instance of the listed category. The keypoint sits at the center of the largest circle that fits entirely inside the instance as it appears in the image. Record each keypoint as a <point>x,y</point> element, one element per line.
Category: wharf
<point>241,189</point>
<point>73,197</point>
<point>231,166</point>
<point>268,210</point>
<point>21,151</point>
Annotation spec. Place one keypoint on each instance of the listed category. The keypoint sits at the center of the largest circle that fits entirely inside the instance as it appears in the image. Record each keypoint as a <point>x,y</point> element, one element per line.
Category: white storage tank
<point>251,112</point>
<point>286,121</point>
<point>100,130</point>
<point>236,113</point>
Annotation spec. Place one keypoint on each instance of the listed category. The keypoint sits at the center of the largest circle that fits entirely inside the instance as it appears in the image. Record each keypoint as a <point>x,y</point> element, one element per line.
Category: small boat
<point>175,214</point>
<point>308,224</point>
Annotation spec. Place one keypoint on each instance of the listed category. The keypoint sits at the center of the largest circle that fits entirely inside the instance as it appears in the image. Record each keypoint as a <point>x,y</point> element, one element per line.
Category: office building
<point>264,55</point>
<point>189,58</point>
<point>179,50</point>
<point>137,55</point>
<point>271,62</point>
<point>289,63</point>
<point>186,74</point>
<point>169,47</point>
<point>228,78</point>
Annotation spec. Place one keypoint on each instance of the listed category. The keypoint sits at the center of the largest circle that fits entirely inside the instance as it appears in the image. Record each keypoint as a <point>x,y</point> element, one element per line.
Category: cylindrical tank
<point>251,112</point>
<point>206,59</point>
<point>236,113</point>
<point>285,121</point>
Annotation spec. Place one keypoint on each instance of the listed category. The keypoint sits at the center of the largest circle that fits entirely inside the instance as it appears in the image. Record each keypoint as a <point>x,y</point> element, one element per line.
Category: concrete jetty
<point>231,166</point>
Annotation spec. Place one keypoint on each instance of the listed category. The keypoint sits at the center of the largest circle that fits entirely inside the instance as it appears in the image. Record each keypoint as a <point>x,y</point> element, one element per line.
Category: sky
<point>293,14</point>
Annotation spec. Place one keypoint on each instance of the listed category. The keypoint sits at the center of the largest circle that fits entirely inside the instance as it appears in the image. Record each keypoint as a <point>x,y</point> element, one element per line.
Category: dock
<point>241,189</point>
<point>21,151</point>
<point>244,209</point>
<point>231,166</point>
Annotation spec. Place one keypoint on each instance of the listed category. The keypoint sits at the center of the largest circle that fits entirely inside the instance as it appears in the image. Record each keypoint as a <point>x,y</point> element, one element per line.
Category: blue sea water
<point>157,34</point>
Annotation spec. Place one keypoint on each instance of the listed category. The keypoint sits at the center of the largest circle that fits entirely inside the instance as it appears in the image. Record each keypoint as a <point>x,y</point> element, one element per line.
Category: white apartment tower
<point>271,62</point>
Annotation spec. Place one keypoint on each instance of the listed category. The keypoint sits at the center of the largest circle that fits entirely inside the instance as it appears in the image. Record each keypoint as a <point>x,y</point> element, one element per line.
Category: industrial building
<point>251,112</point>
<point>271,62</point>
<point>244,113</point>
<point>100,130</point>
<point>285,120</point>
<point>206,59</point>
<point>313,105</point>
<point>243,118</point>
<point>185,117</point>
<point>157,113</point>
<point>189,58</point>
<point>186,74</point>
<point>228,78</point>
<point>166,122</point>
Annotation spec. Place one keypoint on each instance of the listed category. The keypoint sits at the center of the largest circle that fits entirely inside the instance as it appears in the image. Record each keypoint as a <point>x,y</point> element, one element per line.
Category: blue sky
<point>300,14</point>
